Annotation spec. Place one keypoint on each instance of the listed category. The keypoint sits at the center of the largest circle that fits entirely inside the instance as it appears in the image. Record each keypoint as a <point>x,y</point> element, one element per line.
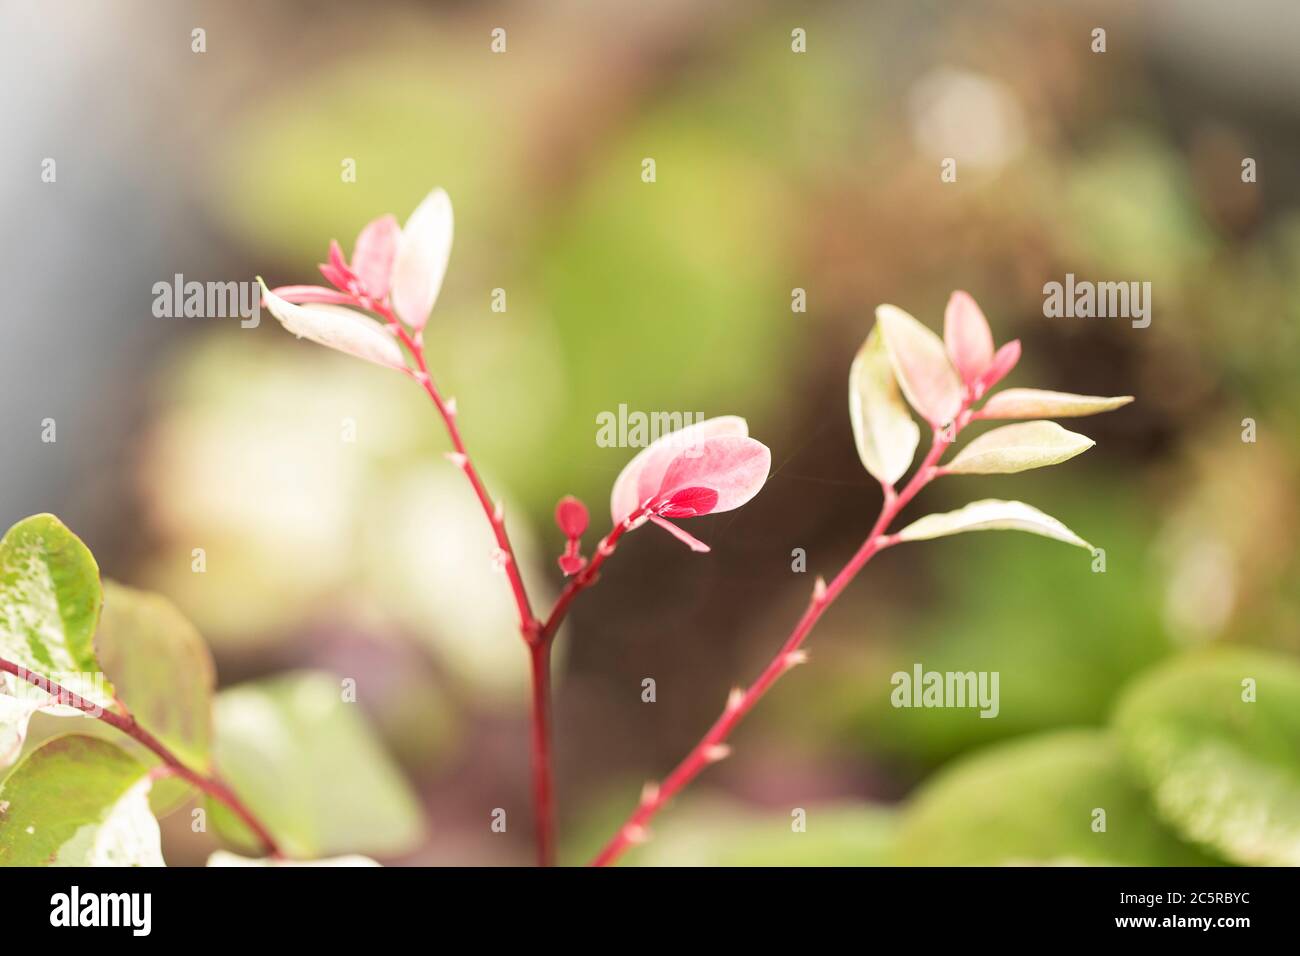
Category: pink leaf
<point>421,261</point>
<point>921,365</point>
<point>653,461</point>
<point>689,502</point>
<point>967,337</point>
<point>374,254</point>
<point>335,276</point>
<point>734,467</point>
<point>688,539</point>
<point>1003,362</point>
<point>311,293</point>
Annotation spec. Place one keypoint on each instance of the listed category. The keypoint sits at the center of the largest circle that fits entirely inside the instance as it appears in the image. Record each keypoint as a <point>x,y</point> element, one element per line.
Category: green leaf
<point>990,514</point>
<point>308,766</point>
<point>224,858</point>
<point>78,801</point>
<point>161,668</point>
<point>49,605</point>
<point>921,364</point>
<point>1013,448</point>
<point>1222,769</point>
<point>883,428</point>
<point>1038,403</point>
<point>722,833</point>
<point>1035,802</point>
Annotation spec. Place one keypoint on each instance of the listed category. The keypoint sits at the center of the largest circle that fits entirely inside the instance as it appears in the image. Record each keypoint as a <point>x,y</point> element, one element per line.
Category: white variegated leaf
<point>338,328</point>
<point>991,515</point>
<point>422,253</point>
<point>78,801</point>
<point>1039,403</point>
<point>1013,448</point>
<point>883,429</point>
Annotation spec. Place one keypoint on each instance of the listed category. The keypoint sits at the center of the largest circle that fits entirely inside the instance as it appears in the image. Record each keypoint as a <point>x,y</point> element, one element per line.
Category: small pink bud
<point>571,564</point>
<point>794,659</point>
<point>634,833</point>
<point>819,589</point>
<point>735,699</point>
<point>457,459</point>
<point>649,793</point>
<point>571,516</point>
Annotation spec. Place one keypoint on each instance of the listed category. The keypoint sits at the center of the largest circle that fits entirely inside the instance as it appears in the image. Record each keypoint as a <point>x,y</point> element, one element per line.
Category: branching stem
<point>712,747</point>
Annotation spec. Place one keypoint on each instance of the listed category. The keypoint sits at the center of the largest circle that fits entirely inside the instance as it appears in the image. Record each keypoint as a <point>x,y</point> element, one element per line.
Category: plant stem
<point>210,784</point>
<point>530,629</point>
<point>543,786</point>
<point>712,746</point>
<point>589,573</point>
<point>528,624</point>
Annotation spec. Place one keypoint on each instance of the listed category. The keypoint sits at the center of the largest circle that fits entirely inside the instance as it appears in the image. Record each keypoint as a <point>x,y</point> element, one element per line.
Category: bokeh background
<point>775,171</point>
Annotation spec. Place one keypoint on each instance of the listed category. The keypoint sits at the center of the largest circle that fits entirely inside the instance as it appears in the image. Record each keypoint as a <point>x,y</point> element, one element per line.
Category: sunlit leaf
<point>49,606</point>
<point>967,337</point>
<point>1035,802</point>
<point>374,254</point>
<point>337,327</point>
<point>883,429</point>
<point>422,253</point>
<point>309,767</point>
<point>1214,737</point>
<point>78,801</point>
<point>1013,448</point>
<point>991,514</point>
<point>1038,403</point>
<point>921,364</point>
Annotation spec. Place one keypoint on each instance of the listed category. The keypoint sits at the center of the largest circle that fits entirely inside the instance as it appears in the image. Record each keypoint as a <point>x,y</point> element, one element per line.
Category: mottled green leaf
<point>78,801</point>
<point>309,767</point>
<point>1038,403</point>
<point>1222,768</point>
<point>49,605</point>
<point>1013,448</point>
<point>161,668</point>
<point>883,429</point>
<point>990,514</point>
<point>1036,802</point>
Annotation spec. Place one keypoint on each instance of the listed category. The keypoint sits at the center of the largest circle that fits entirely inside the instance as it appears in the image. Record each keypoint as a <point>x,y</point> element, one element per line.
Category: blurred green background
<point>775,170</point>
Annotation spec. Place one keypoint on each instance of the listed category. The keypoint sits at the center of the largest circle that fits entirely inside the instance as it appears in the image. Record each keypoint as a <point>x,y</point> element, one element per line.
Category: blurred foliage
<point>1213,735</point>
<point>774,171</point>
<point>720,833</point>
<point>1035,802</point>
<point>307,765</point>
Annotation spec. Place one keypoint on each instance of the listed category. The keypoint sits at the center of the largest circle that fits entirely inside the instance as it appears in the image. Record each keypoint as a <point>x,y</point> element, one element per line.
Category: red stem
<point>543,786</point>
<point>210,784</point>
<point>712,747</point>
<point>530,629</point>
<point>589,574</point>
